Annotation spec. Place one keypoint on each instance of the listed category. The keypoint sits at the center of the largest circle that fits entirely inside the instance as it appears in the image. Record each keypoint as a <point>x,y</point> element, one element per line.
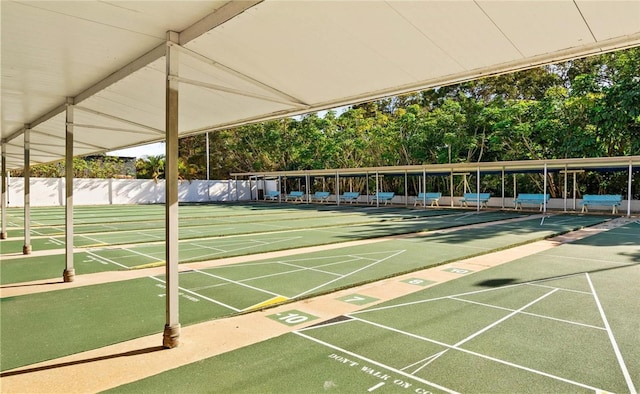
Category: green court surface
<point>122,228</point>
<point>40,323</point>
<point>564,320</point>
<point>98,259</point>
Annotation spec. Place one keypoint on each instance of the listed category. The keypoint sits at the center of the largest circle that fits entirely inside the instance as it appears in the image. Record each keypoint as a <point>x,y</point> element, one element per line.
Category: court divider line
<point>379,364</point>
<point>238,283</point>
<point>471,352</point>
<point>346,275</point>
<point>200,296</point>
<point>62,380</point>
<point>614,344</point>
<point>97,256</point>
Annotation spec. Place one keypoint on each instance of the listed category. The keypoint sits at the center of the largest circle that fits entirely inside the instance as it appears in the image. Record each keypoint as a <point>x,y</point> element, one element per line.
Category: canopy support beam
<point>3,198</point>
<point>69,272</point>
<point>26,248</point>
<point>171,333</point>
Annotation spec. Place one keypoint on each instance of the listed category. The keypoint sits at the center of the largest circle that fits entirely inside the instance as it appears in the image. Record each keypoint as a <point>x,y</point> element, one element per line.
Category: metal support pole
<point>564,191</point>
<point>628,190</point>
<point>207,153</point>
<point>451,186</point>
<point>406,191</point>
<point>235,178</point>
<point>544,191</point>
<point>69,270</point>
<point>424,189</point>
<point>575,182</point>
<point>26,248</point>
<point>503,188</point>
<point>377,190</point>
<point>308,191</point>
<point>478,189</point>
<point>171,337</point>
<point>367,185</point>
<point>3,197</point>
<point>337,188</point>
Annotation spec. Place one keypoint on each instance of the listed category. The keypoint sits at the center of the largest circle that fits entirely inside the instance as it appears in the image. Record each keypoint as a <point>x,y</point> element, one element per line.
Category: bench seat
<point>295,196</point>
<point>533,199</point>
<point>382,196</point>
<point>608,200</point>
<point>272,195</point>
<point>351,197</point>
<point>321,196</point>
<point>473,198</point>
<point>430,197</point>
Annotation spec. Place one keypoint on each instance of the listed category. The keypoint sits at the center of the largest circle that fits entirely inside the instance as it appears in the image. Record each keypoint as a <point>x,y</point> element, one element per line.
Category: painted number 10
<point>293,318</point>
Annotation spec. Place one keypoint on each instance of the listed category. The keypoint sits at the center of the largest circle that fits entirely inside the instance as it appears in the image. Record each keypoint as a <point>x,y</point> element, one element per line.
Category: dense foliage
<point>583,108</point>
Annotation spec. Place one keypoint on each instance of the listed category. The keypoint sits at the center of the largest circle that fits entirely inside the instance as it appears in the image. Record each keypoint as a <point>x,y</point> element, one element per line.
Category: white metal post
<point>171,336</point>
<point>424,188</point>
<point>26,249</point>
<point>406,191</point>
<point>3,197</point>
<point>69,270</point>
<point>451,186</point>
<point>544,191</point>
<point>337,188</point>
<point>377,190</point>
<point>503,188</point>
<point>478,189</point>
<point>564,191</point>
<point>628,189</point>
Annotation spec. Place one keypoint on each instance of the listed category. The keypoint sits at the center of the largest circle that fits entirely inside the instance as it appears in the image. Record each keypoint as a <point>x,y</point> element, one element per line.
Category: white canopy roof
<point>246,61</point>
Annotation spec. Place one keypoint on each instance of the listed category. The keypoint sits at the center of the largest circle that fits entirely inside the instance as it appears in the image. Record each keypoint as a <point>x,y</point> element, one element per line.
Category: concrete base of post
<point>68,275</point>
<point>3,235</point>
<point>171,336</point>
<point>26,249</point>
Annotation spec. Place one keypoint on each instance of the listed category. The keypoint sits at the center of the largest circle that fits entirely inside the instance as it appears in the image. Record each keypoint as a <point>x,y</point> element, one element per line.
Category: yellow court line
<point>272,301</point>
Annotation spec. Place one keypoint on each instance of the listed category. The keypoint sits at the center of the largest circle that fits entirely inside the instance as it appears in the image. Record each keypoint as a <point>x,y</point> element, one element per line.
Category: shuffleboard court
<point>227,290</point>
<point>141,231</point>
<point>98,259</point>
<point>542,323</point>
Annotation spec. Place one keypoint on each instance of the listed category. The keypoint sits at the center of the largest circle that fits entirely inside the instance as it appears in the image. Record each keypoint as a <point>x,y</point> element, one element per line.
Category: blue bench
<point>535,199</point>
<point>350,196</point>
<point>272,195</point>
<point>473,198</point>
<point>321,196</point>
<point>424,198</point>
<point>609,200</point>
<point>382,196</point>
<point>295,196</point>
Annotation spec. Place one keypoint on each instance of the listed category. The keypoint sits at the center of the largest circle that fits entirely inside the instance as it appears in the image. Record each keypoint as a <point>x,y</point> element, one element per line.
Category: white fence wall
<point>51,191</point>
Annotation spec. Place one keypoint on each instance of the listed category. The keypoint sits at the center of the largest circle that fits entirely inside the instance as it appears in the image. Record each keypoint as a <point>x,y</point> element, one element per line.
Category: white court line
<point>308,268</point>
<point>381,365</point>
<point>614,344</point>
<point>91,239</point>
<point>560,288</point>
<point>510,364</point>
<point>239,283</point>
<point>97,256</point>
<point>510,315</point>
<point>201,296</point>
<point>254,244</point>
<point>426,361</point>
<point>529,313</point>
<point>132,250</point>
<point>349,274</point>
<point>464,294</point>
